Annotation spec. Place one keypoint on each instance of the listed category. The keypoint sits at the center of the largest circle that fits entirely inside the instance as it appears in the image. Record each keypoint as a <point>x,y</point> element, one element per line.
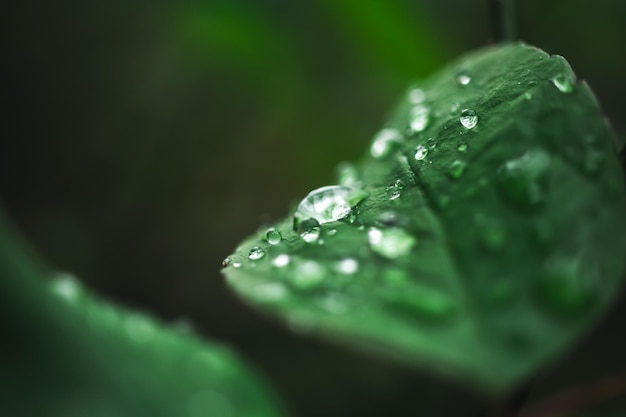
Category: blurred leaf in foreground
<point>481,235</point>
<point>67,353</point>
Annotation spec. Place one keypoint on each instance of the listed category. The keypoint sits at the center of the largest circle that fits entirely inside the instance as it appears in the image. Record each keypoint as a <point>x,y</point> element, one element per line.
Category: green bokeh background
<point>143,140</point>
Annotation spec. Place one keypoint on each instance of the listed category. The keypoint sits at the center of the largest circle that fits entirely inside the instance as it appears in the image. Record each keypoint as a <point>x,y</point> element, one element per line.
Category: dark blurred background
<point>143,140</point>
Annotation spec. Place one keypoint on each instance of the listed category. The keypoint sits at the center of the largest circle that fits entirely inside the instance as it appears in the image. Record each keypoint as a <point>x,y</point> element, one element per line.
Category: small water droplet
<point>308,274</point>
<point>462,147</point>
<point>348,175</point>
<point>564,83</point>
<point>521,179</point>
<point>256,253</point>
<point>421,152</point>
<point>463,77</point>
<point>416,96</point>
<point>227,262</point>
<point>236,264</point>
<point>332,232</point>
<point>311,235</point>
<point>391,242</point>
<point>273,236</point>
<point>281,260</point>
<point>327,204</point>
<point>431,143</point>
<point>347,266</point>
<point>385,141</point>
<point>418,118</point>
<point>395,190</point>
<point>456,169</point>
<point>66,286</point>
<point>568,284</point>
<point>469,118</point>
<point>528,95</point>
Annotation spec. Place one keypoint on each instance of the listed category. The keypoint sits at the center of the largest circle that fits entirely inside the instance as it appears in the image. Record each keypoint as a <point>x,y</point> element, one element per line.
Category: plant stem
<point>502,20</point>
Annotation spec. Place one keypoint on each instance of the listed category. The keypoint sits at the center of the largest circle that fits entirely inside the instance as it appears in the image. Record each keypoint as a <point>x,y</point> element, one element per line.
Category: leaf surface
<point>483,232</point>
<point>67,353</point>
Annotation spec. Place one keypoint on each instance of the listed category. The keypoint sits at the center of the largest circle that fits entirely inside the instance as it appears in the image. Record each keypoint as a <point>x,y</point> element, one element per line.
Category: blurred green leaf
<point>67,353</point>
<point>481,236</point>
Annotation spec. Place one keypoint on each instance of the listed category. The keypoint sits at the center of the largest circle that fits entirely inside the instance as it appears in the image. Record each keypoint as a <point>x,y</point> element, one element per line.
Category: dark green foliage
<point>66,353</point>
<point>491,237</point>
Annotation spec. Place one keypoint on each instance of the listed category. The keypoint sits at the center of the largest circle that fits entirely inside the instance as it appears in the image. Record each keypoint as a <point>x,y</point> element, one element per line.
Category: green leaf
<point>491,237</point>
<point>67,353</point>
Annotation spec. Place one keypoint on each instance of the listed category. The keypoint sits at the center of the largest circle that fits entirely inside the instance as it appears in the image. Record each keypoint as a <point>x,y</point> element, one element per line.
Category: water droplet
<point>463,77</point>
<point>391,243</point>
<point>311,235</point>
<point>281,260</point>
<point>332,232</point>
<point>236,264</point>
<point>347,266</point>
<point>66,286</point>
<point>456,169</point>
<point>568,284</point>
<point>462,147</point>
<point>416,96</point>
<point>308,274</point>
<point>273,236</point>
<point>327,204</point>
<point>418,118</point>
<point>468,118</point>
<point>348,175</point>
<point>256,253</point>
<point>227,262</point>
<point>421,152</point>
<point>384,142</point>
<point>521,179</point>
<point>564,83</point>
<point>431,143</point>
<point>395,190</point>
<point>528,95</point>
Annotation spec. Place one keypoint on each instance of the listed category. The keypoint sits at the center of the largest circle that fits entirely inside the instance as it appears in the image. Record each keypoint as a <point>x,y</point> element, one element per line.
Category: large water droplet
<point>421,152</point>
<point>347,266</point>
<point>469,118</point>
<point>418,118</point>
<point>522,179</point>
<point>568,284</point>
<point>256,253</point>
<point>463,77</point>
<point>391,243</point>
<point>327,204</point>
<point>308,274</point>
<point>416,96</point>
<point>385,142</point>
<point>273,236</point>
<point>564,83</point>
<point>456,169</point>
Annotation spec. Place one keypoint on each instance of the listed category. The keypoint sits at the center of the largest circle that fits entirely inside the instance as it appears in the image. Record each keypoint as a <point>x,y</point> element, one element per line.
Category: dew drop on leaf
<point>395,190</point>
<point>462,147</point>
<point>521,179</point>
<point>66,286</point>
<point>463,78</point>
<point>468,118</point>
<point>456,169</point>
<point>390,243</point>
<point>347,266</point>
<point>256,253</point>
<point>385,142</point>
<point>273,236</point>
<point>418,118</point>
<point>416,96</point>
<point>421,152</point>
<point>431,143</point>
<point>563,83</point>
<point>281,260</point>
<point>327,204</point>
